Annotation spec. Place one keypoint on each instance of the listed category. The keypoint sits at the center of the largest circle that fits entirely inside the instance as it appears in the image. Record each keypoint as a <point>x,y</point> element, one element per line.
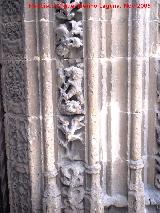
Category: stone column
<point>92,65</point>
<point>51,196</point>
<point>136,201</point>
<point>63,87</point>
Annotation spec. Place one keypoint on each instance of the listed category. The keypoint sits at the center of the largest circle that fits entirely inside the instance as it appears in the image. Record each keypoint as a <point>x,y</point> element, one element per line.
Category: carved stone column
<point>136,187</point>
<point>51,199</point>
<point>92,66</point>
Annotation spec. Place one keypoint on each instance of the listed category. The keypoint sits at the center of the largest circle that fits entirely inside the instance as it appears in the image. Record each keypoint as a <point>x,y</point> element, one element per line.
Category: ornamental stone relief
<point>71,100</point>
<point>14,99</point>
<point>74,136</point>
<point>71,121</point>
<point>17,152</point>
<point>157,174</point>
<point>72,179</point>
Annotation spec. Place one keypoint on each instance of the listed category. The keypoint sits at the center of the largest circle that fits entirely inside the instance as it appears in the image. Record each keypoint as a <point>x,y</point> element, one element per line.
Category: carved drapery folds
<point>70,122</point>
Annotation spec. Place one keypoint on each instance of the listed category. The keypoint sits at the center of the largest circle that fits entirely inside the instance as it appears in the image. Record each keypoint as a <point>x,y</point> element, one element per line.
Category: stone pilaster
<point>21,106</point>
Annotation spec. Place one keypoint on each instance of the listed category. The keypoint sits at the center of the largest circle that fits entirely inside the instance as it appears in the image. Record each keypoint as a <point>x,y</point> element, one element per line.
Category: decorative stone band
<point>139,164</point>
<point>51,174</point>
<point>70,104</point>
<point>118,201</point>
<point>94,169</point>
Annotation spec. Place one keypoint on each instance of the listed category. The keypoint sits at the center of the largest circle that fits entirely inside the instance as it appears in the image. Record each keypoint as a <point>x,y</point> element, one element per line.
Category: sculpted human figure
<point>69,129</point>
<point>70,83</point>
<point>75,81</point>
<point>67,38</point>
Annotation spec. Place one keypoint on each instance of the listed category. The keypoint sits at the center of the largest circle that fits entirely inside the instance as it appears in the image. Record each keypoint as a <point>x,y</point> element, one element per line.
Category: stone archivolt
<point>71,126</point>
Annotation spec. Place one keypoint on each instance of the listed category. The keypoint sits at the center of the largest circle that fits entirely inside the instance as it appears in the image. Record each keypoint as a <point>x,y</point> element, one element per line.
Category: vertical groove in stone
<point>51,200</point>
<point>118,102</point>
<point>136,186</point>
<point>91,55</point>
<point>146,100</point>
<point>156,61</point>
<point>33,107</point>
<point>105,75</point>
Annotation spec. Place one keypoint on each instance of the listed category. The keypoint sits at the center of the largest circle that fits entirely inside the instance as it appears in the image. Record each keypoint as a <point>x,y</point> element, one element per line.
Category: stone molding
<point>74,108</point>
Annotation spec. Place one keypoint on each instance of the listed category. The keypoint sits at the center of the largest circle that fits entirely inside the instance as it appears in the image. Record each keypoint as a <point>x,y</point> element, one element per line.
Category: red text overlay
<point>89,5</point>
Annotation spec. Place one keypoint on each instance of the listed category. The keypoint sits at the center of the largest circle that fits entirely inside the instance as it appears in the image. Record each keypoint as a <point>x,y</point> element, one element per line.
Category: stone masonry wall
<point>80,92</point>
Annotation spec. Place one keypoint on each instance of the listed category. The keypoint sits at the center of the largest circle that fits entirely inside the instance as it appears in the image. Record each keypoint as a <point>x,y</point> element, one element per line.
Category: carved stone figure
<point>71,93</point>
<point>72,178</point>
<point>71,124</point>
<point>71,129</point>
<point>68,13</point>
<point>68,36</point>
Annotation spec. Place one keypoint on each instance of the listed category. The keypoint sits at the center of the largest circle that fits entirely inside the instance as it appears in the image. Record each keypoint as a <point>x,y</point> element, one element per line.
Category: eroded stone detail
<point>4,202</point>
<point>70,88</point>
<point>68,13</point>
<point>72,179</point>
<point>17,152</point>
<point>14,86</point>
<point>70,129</point>
<point>14,82</point>
<point>69,39</point>
<point>71,121</point>
<point>15,106</point>
<point>157,175</point>
<point>12,10</point>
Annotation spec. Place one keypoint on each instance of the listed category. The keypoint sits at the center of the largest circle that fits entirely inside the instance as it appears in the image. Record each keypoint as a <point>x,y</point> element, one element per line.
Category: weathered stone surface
<point>81,94</point>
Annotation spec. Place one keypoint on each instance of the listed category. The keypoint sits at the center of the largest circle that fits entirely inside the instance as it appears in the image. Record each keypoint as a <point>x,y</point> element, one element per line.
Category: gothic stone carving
<point>69,38</point>
<point>13,41</point>
<point>17,152</point>
<point>70,130</point>
<point>69,46</point>
<point>11,10</point>
<point>70,89</point>
<point>68,13</point>
<point>72,179</point>
<point>14,86</point>
<point>14,98</point>
<point>157,175</point>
